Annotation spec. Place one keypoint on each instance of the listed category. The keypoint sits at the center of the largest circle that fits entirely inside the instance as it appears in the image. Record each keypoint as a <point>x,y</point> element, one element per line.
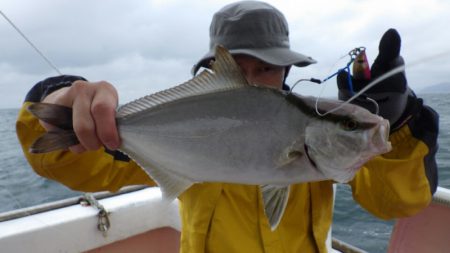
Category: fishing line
<point>377,80</point>
<point>329,73</point>
<point>359,93</point>
<point>382,78</point>
<point>59,72</point>
<point>352,53</point>
<point>31,43</point>
<point>48,62</point>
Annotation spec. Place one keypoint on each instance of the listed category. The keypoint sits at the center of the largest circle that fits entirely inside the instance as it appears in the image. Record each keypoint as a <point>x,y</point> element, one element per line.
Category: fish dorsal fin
<point>275,199</point>
<point>225,75</point>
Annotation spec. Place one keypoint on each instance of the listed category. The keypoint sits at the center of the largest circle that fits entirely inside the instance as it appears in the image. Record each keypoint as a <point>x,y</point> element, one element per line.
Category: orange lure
<point>361,69</point>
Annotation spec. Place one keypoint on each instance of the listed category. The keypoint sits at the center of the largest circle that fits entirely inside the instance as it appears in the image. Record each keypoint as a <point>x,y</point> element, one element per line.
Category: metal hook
<point>355,52</point>
<point>313,80</point>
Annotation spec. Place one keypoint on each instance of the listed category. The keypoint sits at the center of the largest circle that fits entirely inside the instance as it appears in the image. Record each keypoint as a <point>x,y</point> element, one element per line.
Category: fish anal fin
<point>171,185</point>
<point>275,199</point>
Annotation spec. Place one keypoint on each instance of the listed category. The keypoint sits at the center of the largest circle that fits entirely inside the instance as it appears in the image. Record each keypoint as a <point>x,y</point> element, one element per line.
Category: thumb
<point>388,52</point>
<point>389,47</point>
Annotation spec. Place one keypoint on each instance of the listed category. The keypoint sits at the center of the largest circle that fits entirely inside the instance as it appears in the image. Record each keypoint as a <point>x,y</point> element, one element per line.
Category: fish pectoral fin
<point>295,154</point>
<point>171,185</point>
<point>289,156</point>
<point>275,199</point>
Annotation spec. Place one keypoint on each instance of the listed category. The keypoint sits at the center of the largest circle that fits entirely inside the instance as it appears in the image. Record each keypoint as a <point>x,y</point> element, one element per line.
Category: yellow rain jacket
<point>220,217</point>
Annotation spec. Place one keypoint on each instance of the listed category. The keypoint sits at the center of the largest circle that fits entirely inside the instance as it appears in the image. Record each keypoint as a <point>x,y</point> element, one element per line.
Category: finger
<point>389,47</point>
<point>103,111</point>
<point>342,80</point>
<point>83,123</point>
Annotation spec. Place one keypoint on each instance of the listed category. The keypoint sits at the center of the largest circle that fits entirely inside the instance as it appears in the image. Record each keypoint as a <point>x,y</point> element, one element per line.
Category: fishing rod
<point>31,43</point>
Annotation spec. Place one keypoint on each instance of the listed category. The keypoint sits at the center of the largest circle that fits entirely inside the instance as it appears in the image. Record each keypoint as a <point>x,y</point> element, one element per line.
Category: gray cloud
<point>145,46</point>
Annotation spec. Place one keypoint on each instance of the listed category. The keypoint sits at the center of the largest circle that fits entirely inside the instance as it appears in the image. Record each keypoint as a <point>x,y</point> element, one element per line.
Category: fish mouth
<point>309,157</point>
<point>380,138</point>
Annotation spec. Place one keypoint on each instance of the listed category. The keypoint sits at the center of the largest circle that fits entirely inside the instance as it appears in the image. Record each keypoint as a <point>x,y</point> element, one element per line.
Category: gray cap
<point>256,29</point>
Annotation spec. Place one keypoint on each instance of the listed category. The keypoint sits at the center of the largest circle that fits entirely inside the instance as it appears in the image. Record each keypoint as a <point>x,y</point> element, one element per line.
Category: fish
<point>217,127</point>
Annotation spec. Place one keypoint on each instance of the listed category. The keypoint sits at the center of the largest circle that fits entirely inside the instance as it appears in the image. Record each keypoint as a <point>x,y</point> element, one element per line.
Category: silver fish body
<point>218,128</point>
<point>250,135</point>
<point>247,136</point>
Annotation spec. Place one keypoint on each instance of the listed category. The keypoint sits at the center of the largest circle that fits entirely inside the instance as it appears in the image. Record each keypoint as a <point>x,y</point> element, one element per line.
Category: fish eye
<point>349,124</point>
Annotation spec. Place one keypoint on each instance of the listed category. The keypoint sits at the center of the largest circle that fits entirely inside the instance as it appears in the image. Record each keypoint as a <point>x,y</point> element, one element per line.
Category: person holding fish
<point>235,196</point>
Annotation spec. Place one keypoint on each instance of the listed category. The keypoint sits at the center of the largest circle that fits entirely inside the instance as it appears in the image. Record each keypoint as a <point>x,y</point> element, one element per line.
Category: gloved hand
<point>392,93</point>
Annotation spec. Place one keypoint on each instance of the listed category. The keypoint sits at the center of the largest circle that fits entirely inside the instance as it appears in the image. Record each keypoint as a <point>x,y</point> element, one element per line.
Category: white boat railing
<point>22,212</point>
<point>68,226</point>
<point>442,196</point>
<point>74,227</point>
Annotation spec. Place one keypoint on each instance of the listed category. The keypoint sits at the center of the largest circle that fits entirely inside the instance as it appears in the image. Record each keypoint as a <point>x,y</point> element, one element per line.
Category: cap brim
<point>274,56</point>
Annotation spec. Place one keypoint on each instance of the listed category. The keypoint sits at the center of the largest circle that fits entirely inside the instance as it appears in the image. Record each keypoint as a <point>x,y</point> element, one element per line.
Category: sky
<point>144,46</point>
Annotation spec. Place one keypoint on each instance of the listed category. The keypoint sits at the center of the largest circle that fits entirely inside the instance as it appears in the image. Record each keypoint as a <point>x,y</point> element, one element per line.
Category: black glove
<point>393,93</point>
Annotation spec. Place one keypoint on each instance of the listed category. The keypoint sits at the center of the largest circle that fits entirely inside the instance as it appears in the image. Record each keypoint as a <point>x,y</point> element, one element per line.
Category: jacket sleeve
<point>401,183</point>
<point>90,171</point>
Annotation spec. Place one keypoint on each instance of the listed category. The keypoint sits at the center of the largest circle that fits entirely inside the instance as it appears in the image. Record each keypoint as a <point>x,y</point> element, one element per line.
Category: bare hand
<point>94,106</point>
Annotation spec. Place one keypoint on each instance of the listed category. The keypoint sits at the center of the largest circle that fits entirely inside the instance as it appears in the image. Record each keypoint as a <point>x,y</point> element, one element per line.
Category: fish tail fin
<point>275,199</point>
<point>58,116</point>
<point>54,140</point>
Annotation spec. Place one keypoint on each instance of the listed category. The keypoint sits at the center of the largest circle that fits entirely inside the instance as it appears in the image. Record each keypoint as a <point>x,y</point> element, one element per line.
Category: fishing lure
<point>361,69</point>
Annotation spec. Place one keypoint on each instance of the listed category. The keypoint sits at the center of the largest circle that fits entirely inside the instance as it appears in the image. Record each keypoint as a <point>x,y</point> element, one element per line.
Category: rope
<point>103,224</point>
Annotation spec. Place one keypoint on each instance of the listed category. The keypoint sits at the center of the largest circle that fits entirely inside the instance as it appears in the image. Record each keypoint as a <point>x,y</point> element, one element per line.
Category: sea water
<point>20,187</point>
